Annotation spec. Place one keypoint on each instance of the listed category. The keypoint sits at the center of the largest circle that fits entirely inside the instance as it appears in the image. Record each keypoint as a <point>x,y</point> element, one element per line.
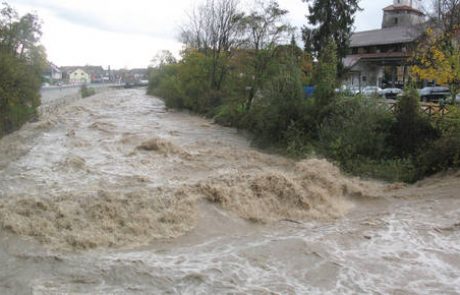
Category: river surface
<point>114,194</point>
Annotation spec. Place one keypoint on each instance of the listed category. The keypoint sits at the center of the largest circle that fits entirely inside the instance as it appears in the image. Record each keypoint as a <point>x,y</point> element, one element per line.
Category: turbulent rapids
<point>115,194</point>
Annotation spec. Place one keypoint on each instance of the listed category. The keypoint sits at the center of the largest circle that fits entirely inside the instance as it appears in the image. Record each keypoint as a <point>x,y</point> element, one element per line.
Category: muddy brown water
<point>115,194</point>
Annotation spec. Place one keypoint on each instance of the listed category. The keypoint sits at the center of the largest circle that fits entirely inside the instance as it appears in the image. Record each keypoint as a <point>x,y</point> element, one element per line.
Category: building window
<point>396,20</point>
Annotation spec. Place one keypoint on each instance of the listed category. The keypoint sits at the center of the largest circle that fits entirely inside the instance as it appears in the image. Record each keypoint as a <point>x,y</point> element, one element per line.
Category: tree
<point>411,130</point>
<point>22,61</point>
<point>265,29</point>
<point>438,58</point>
<point>19,36</point>
<point>215,29</point>
<point>331,19</point>
<point>448,13</point>
<point>162,58</point>
<point>326,74</point>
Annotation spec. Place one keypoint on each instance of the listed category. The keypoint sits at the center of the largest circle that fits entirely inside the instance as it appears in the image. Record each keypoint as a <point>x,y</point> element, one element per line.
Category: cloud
<point>129,33</point>
<point>139,17</point>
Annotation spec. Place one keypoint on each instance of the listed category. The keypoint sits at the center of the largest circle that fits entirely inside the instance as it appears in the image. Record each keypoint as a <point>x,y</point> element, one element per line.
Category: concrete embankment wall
<point>53,98</point>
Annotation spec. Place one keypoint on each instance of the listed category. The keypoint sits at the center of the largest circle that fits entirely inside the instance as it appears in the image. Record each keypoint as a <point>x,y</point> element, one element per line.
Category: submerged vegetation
<point>252,79</point>
<point>21,62</point>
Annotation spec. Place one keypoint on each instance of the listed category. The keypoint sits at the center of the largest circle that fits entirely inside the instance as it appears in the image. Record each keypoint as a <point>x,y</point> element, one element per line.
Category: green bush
<point>86,91</point>
<point>392,170</point>
<point>443,153</point>
<point>230,114</point>
<point>326,74</point>
<point>355,127</point>
<point>440,155</point>
<point>278,106</point>
<point>412,130</point>
<point>19,92</point>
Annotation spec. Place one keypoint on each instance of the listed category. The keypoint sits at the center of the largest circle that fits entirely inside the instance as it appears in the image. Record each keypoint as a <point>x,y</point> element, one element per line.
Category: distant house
<point>52,73</point>
<point>79,76</point>
<point>96,74</point>
<point>382,57</point>
<point>134,75</point>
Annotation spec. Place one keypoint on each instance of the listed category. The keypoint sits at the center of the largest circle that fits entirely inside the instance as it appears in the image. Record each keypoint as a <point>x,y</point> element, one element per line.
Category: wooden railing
<point>430,109</point>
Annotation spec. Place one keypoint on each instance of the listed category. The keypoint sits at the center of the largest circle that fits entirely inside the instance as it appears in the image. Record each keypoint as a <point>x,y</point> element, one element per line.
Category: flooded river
<point>115,194</point>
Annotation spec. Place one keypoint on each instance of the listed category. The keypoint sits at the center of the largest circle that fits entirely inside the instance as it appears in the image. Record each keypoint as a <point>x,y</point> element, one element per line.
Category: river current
<point>115,194</point>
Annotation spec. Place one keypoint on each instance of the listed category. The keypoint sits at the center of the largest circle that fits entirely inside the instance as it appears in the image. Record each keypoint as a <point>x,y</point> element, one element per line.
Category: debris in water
<point>101,220</point>
<point>315,189</point>
<point>163,146</point>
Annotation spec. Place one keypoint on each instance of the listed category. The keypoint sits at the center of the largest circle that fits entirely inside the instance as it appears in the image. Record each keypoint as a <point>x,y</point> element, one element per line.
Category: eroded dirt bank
<point>114,194</point>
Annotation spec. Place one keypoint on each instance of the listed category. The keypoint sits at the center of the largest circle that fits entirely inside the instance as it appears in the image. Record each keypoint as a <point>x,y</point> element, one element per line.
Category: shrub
<point>86,91</point>
<point>170,90</point>
<point>279,105</point>
<point>412,130</point>
<point>355,127</point>
<point>230,114</point>
<point>440,155</point>
<point>19,92</point>
<point>443,153</point>
<point>326,74</point>
<point>392,170</point>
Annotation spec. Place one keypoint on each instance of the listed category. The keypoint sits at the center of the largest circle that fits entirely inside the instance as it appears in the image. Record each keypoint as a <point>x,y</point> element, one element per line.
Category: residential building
<point>79,76</point>
<point>96,73</point>
<point>52,73</point>
<point>382,57</point>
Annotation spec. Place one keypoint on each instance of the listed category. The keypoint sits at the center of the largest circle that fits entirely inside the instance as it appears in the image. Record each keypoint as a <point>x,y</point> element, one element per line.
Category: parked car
<point>348,90</point>
<point>391,93</point>
<point>371,90</point>
<point>434,93</point>
<point>143,82</point>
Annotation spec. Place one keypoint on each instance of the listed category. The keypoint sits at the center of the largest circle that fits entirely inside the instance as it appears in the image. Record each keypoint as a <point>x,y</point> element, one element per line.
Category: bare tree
<point>162,58</point>
<point>266,25</point>
<point>266,28</point>
<point>447,12</point>
<point>216,29</point>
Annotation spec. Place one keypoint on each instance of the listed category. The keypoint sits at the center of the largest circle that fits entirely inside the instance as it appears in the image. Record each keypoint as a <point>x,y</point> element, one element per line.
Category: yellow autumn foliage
<point>434,60</point>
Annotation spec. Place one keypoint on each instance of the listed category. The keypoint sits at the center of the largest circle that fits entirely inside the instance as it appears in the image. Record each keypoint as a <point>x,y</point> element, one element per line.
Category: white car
<point>371,90</point>
<point>348,90</point>
<point>434,93</point>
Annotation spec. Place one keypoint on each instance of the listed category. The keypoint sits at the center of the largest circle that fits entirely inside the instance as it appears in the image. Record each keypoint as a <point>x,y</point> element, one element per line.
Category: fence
<point>430,109</point>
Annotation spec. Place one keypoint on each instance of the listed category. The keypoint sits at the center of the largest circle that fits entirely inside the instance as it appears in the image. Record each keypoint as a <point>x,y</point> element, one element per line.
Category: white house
<point>79,77</point>
<point>52,73</point>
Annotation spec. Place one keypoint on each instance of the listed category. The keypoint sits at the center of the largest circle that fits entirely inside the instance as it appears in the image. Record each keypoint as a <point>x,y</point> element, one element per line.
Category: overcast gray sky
<point>128,33</point>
